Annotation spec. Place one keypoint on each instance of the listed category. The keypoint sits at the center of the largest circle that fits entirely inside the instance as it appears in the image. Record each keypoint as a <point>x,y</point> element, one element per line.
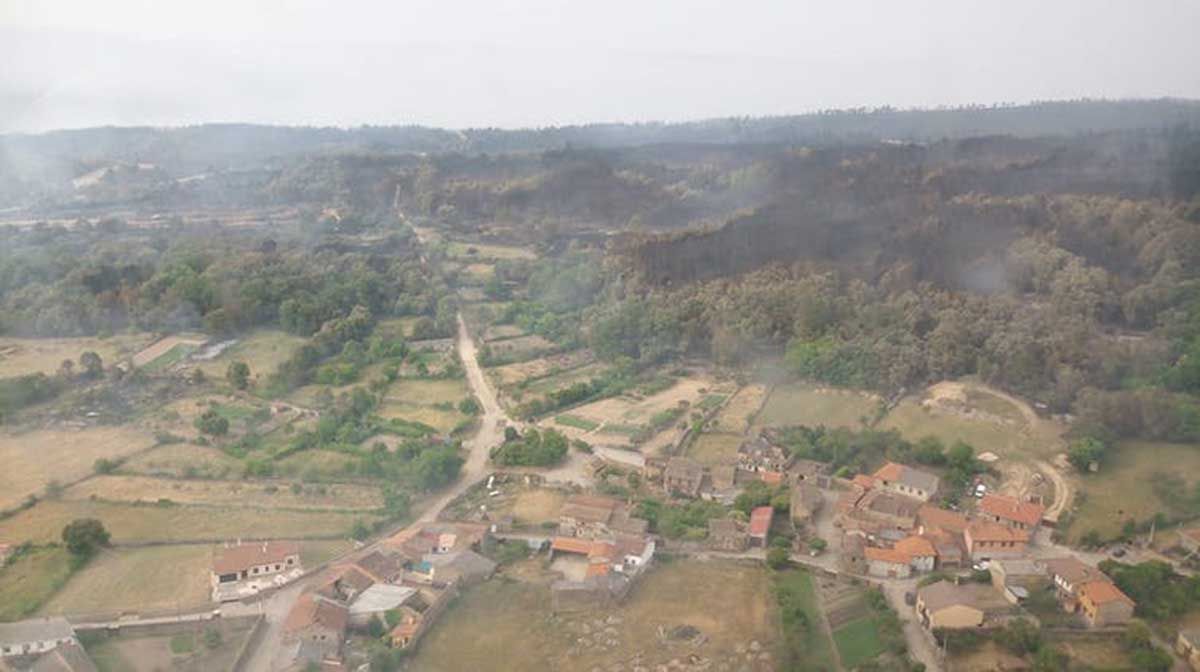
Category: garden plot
<point>520,348</point>
<point>32,460</point>
<point>21,356</point>
<point>813,405</point>
<point>179,417</point>
<point>130,523</point>
<point>512,374</point>
<point>262,350</point>
<point>713,448</point>
<point>259,494</point>
<point>499,332</point>
<point>630,410</point>
<point>716,610</point>
<point>430,402</point>
<point>168,351</point>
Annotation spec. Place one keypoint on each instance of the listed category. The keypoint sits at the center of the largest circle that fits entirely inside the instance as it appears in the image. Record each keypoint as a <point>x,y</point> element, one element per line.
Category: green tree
<point>210,422</point>
<point>1083,452</point>
<point>777,558</point>
<point>238,375</point>
<point>93,366</point>
<point>84,536</point>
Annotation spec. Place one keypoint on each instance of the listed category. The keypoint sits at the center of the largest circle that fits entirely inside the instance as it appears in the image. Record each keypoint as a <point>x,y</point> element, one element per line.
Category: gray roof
<point>35,630</point>
<point>1021,567</point>
<point>380,597</point>
<point>944,594</point>
<point>468,563</point>
<point>921,480</point>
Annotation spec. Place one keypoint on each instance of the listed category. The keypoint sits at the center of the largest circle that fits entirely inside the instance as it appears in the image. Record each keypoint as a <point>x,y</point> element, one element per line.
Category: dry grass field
<point>168,351</point>
<point>478,273</point>
<point>268,495</point>
<point>129,579</point>
<point>20,356</point>
<point>440,420</point>
<point>319,462</point>
<point>499,332</point>
<point>511,374</point>
<point>129,523</point>
<point>628,410</point>
<point>715,448</point>
<point>806,404</point>
<point>264,350</point>
<point>739,411</point>
<point>522,347</point>
<point>172,649</point>
<point>183,459</point>
<point>428,392</point>
<point>728,603</point>
<point>33,459</point>
<point>534,507</point>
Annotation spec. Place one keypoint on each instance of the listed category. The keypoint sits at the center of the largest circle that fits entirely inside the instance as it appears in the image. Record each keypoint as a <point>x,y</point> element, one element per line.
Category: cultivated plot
<point>20,356</point>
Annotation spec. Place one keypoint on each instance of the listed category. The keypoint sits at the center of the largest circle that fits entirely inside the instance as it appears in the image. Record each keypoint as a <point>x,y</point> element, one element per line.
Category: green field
<point>1132,469</point>
<point>804,647</point>
<point>806,404</point>
<point>568,420</point>
<point>858,641</point>
<point>171,357</point>
<point>263,350</point>
<point>715,448</point>
<point>915,422</point>
<point>468,251</point>
<point>30,580</point>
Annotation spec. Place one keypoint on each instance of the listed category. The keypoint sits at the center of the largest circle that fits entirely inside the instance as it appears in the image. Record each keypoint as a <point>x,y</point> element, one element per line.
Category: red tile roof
<point>891,555</point>
<point>760,521</point>
<point>985,531</point>
<point>932,516</point>
<point>1011,508</point>
<point>243,557</point>
<point>571,545</point>
<point>890,472</point>
<point>771,477</point>
<point>1103,592</point>
<point>863,481</point>
<point>312,610</point>
<point>916,547</point>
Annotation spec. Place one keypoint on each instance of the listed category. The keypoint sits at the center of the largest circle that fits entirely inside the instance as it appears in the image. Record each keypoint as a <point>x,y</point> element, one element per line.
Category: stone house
<point>887,562</point>
<point>254,560</point>
<point>317,619</point>
<point>35,636</point>
<point>1068,575</point>
<point>1016,578</point>
<point>1011,512</point>
<point>905,480</point>
<point>1103,604</point>
<point>811,472</point>
<point>683,476</point>
<point>1187,645</point>
<point>593,516</point>
<point>946,605</point>
<point>727,534</point>
<point>760,454</point>
<point>986,541</point>
<point>948,545</point>
<point>922,556</point>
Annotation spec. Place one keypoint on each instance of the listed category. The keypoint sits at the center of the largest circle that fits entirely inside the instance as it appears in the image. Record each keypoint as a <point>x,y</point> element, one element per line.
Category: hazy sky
<point>460,63</point>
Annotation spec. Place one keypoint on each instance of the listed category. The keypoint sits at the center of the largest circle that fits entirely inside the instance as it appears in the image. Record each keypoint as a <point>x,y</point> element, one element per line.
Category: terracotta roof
<point>605,550</point>
<point>244,556</point>
<point>932,516</point>
<point>984,531</point>
<point>1103,592</point>
<point>891,555</point>
<point>916,547</point>
<point>1011,508</point>
<point>902,473</point>
<point>313,610</point>
<point>596,569</point>
<point>863,481</point>
<point>760,521</point>
<point>771,477</point>
<point>571,545</point>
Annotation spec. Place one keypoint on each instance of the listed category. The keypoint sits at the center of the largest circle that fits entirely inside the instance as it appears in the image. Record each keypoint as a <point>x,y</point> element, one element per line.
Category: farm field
<point>428,392</point>
<point>129,579</point>
<point>857,642</point>
<point>520,347</point>
<point>178,460</point>
<point>630,410</point>
<point>461,250</point>
<point>1132,469</point>
<point>712,448</point>
<point>478,273</point>
<point>499,332</point>
<point>20,356</point>
<point>512,374</point>
<point>167,351</point>
<point>441,420</point>
<point>263,350</point>
<point>812,405</point>
<point>810,649</point>
<point>33,459</point>
<point>130,523</point>
<point>30,580</point>
<point>727,603</point>
<point>267,495</point>
<point>565,378</point>
<point>740,411</point>
<point>322,463</point>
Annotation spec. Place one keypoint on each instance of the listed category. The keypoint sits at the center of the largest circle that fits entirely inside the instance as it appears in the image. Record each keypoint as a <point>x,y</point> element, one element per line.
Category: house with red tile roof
<point>986,540</point>
<point>922,555</point>
<point>1103,604</point>
<point>905,480</point>
<point>760,525</point>
<point>1011,511</point>
<point>887,562</point>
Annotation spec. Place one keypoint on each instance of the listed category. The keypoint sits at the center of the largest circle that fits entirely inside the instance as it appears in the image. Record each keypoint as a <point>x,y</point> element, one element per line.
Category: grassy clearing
<point>577,422</point>
<point>638,411</point>
<point>33,459</point>
<point>741,409</point>
<point>129,579</point>
<point>313,553</point>
<point>520,348</point>
<point>915,421</point>
<point>315,463</point>
<point>460,250</point>
<point>441,420</point>
<point>129,523</point>
<point>228,493</point>
<point>184,460</point>
<point>1131,471</point>
<point>32,579</point>
<point>534,507</point>
<point>428,392</point>
<point>729,603</point>
<point>264,350</point>
<point>804,648</point>
<point>175,354</point>
<point>566,378</point>
<point>553,365</point>
<point>807,404</point>
<point>714,448</point>
<point>858,641</point>
<point>20,356</point>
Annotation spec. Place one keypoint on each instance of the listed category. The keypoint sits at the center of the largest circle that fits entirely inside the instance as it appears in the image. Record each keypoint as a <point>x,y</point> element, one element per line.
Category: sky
<point>506,63</point>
